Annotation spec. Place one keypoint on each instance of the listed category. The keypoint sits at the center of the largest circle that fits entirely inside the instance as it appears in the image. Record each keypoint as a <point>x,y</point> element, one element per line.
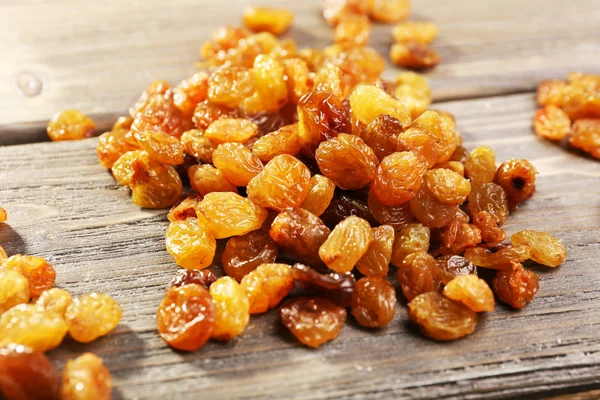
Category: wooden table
<point>62,205</point>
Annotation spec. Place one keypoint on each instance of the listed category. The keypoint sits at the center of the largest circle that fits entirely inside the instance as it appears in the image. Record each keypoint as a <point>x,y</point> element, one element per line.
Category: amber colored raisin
<point>551,123</point>
<point>458,236</point>
<point>585,135</point>
<point>229,85</point>
<point>321,116</point>
<point>207,179</point>
<point>203,277</point>
<point>374,302</point>
<point>298,79</point>
<point>320,193</point>
<point>185,317</point>
<point>491,198</point>
<point>154,185</point>
<point>122,169</point>
<point>237,163</point>
<point>471,291</point>
<point>517,178</point>
<point>516,286</point>
<point>190,243</point>
<point>382,135</point>
<point>112,145</point>
<point>388,11</point>
<point>14,289</point>
<point>282,184</point>
<point>414,91</point>
<point>503,258</point>
<point>344,206</point>
<point>226,130</point>
<point>419,142</point>
<point>185,208</point>
<point>491,233</point>
<point>397,216</point>
<point>550,92</point>
<point>160,114</point>
<point>91,316</point>
<point>269,78</point>
<point>206,113</point>
<point>335,11</point>
<point>26,325</point>
<point>243,254</point>
<point>313,321</point>
<point>155,88</point>
<point>441,318</point>
<point>197,145</point>
<point>410,239</point>
<point>376,260</point>
<point>26,374</point>
<point>3,255</point>
<point>430,211</point>
<point>347,161</point>
<point>232,308</point>
<point>451,266</point>
<point>421,32</point>
<point>273,20</point>
<point>417,274</point>
<point>369,102</point>
<point>123,123</point>
<point>54,300</point>
<point>415,55</point>
<point>86,377</point>
<point>398,179</point>
<point>480,167</point>
<point>190,92</point>
<point>338,288</point>
<point>267,285</point>
<point>346,244</point>
<point>352,31</point>
<point>545,249</point>
<point>229,214</point>
<point>300,234</point>
<point>36,270</point>
<point>282,141</point>
<point>70,125</point>
<point>447,186</point>
<point>160,146</point>
<point>581,99</point>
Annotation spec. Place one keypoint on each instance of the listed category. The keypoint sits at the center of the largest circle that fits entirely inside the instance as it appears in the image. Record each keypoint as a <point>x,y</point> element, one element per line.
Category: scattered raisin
<point>55,300</point>
<point>36,270</point>
<point>410,239</point>
<point>413,54</point>
<point>207,179</point>
<point>451,266</point>
<point>320,192</point>
<point>491,198</point>
<point>346,244</point>
<point>285,140</point>
<point>267,285</point>
<point>517,178</point>
<point>232,308</point>
<point>237,163</point>
<point>86,377</point>
<point>197,145</point>
<point>191,243</point>
<point>551,123</point>
<point>70,125</point>
<point>160,146</point>
<point>417,274</point>
<point>273,20</point>
<point>398,179</point>
<point>338,288</point>
<point>91,316</point>
<point>374,302</point>
<point>471,291</point>
<point>585,135</point>
<point>516,286</point>
<point>545,249</point>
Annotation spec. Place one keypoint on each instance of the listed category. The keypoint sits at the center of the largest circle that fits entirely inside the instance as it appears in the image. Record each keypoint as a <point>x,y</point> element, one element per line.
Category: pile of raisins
<point>570,110</point>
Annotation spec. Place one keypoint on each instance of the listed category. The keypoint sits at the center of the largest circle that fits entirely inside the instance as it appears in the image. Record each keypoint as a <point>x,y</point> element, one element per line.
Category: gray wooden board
<point>64,206</point>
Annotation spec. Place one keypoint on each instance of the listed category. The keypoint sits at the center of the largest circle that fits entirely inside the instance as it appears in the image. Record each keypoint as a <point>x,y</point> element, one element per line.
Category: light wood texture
<point>98,56</point>
<point>63,206</point>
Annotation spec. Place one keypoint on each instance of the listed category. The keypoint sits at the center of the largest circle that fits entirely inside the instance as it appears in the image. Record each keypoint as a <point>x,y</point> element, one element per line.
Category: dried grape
<point>207,179</point>
<point>472,291</point>
<point>346,244</point>
<point>191,243</point>
<point>337,288</point>
<point>38,272</point>
<point>243,254</point>
<point>267,285</point>
<point>374,302</point>
<point>91,316</point>
<point>545,249</point>
<point>376,260</point>
<point>70,125</point>
<point>516,286</point>
<point>232,308</point>
<point>417,274</point>
<point>14,289</point>
<point>86,377</point>
<point>24,324</point>
<point>237,163</point>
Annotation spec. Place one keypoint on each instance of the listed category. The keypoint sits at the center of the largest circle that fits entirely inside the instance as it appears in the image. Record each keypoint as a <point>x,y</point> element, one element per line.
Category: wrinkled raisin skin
<point>374,302</point>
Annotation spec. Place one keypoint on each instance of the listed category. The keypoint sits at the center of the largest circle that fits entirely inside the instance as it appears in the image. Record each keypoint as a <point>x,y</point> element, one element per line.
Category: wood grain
<point>98,57</point>
<point>63,206</point>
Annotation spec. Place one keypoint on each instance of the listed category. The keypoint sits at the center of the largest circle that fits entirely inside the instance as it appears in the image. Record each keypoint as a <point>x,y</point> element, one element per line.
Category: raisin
<point>491,198</point>
<point>430,211</point>
<point>14,289</point>
<point>414,91</point>
<point>206,113</point>
<point>154,185</point>
<point>321,117</point>
<point>545,249</point>
<point>480,167</point>
<point>517,178</point>
<point>491,233</point>
<point>417,274</point>
<point>197,145</point>
<point>581,101</point>
<point>346,244</point>
<point>374,302</point>
<point>421,32</point>
<point>155,88</point>
<point>472,292</point>
<point>460,154</point>
<point>335,11</point>
<point>585,135</point>
<point>344,206</point>
<point>313,321</point>
<point>387,11</point>
<point>54,300</point>
<point>382,135</point>
<point>347,161</point>
<point>312,57</point>
<point>397,216</point>
<point>26,325</point>
<point>267,285</point>
<point>186,208</point>
<point>376,260</point>
<point>202,277</point>
<point>283,141</point>
<point>551,123</point>
<point>237,163</point>
<point>227,130</point>
<point>160,114</point>
<point>122,169</point>
<point>398,179</point>
<point>410,239</point>
<point>447,186</point>
<point>352,31</point>
<point>441,318</point>
<point>112,145</point>
<point>86,377</point>
<point>243,254</point>
<point>191,243</point>
<point>161,147</point>
<point>550,92</point>
<point>269,78</point>
<point>413,54</point>
<point>36,270</point>
<point>320,193</point>
<point>229,214</point>
<point>458,236</point>
<point>300,234</point>
<point>503,258</point>
<point>282,184</point>
<point>229,85</point>
<point>451,266</point>
<point>122,123</point>
<point>273,20</point>
<point>232,308</point>
<point>70,125</point>
<point>27,374</point>
<point>208,179</point>
<point>516,286</point>
<point>338,288</point>
<point>185,317</point>
<point>419,142</point>
<point>3,215</point>
<point>91,316</point>
<point>190,92</point>
<point>369,102</point>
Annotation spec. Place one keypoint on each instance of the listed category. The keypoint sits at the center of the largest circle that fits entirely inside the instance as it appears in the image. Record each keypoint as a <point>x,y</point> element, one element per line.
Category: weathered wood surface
<point>64,206</point>
<point>98,56</point>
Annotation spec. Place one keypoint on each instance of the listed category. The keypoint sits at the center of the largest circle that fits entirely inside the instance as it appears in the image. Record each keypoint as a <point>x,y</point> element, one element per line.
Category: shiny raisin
<point>545,249</point>
<point>232,308</point>
<point>516,286</point>
<point>491,198</point>
<point>417,274</point>
<point>517,178</point>
<point>338,288</point>
<point>374,302</point>
<point>551,123</point>
<point>503,258</point>
<point>36,270</point>
<point>398,179</point>
<point>203,277</point>
<point>91,316</point>
<point>25,324</point>
<point>243,254</point>
<point>346,244</point>
<point>54,300</point>
<point>267,285</point>
<point>471,291</point>
<point>14,289</point>
<point>207,179</point>
<point>70,125</point>
<point>376,260</point>
<point>451,266</point>
<point>197,145</point>
<point>410,239</point>
<point>86,377</point>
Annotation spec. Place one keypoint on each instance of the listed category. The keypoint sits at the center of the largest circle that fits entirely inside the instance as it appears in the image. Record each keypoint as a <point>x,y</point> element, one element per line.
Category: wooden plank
<point>98,57</point>
<point>63,206</point>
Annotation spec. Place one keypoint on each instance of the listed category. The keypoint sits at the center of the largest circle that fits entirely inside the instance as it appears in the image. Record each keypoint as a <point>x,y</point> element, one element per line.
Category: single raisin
<point>480,167</point>
<point>269,78</point>
<point>197,145</point>
<point>161,147</point>
<point>412,54</point>
<point>471,291</point>
<point>418,274</point>
<point>517,178</point>
<point>86,377</point>
<point>263,19</point>
<point>232,308</point>
<point>491,198</point>
<point>227,130</point>
<point>396,216</point>
<point>382,135</point>
<point>25,324</point>
<point>346,244</point>
<point>243,254</point>
<point>352,31</point>
<point>285,140</point>
<point>154,185</point>
<point>229,214</point>
<point>320,192</point>
<point>387,11</point>
<point>516,286</point>
<point>70,125</point>
<point>190,92</point>
<point>421,32</point>
<point>237,163</point>
<point>229,85</point>
<point>550,92</point>
<point>112,145</point>
<point>451,266</point>
<point>338,288</point>
<point>207,179</point>
<point>545,249</point>
<point>206,113</point>
<point>501,259</point>
<point>186,208</point>
<point>267,285</point>
<point>369,102</point>
<point>191,243</point>
<point>551,123</point>
<point>91,316</point>
<point>410,239</point>
<point>491,233</point>
<point>430,211</point>
<point>585,135</point>
<point>160,114</point>
<point>376,260</point>
<point>54,300</point>
<point>447,186</point>
<point>344,206</point>
<point>203,277</point>
<point>374,302</point>
<point>398,179</point>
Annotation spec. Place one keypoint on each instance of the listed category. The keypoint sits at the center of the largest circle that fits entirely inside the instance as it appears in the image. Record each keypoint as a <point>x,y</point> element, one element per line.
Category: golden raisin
<point>313,321</point>
<point>447,186</point>
<point>502,258</point>
<point>269,77</point>
<point>160,146</point>
<point>112,145</point>
<point>398,179</point>
<point>414,91</point>
<point>382,135</point>
<point>516,286</point>
<point>413,54</point>
<point>197,145</point>
<point>14,289</point>
<point>55,300</point>
<point>410,239</point>
<point>229,214</point>
<point>237,163</point>
<point>229,85</point>
<point>374,302</point>
<point>282,141</point>
<point>480,167</point>
<point>545,249</point>
<point>550,92</point>
<point>91,316</point>
<point>154,185</point>
<point>376,260</point>
<point>185,317</point>
<point>206,113</point>
<point>3,215</point>
<point>190,243</point>
<point>369,102</point>
<point>517,178</point>
<point>298,83</point>
<point>226,130</point>
<point>273,20</point>
<point>70,125</point>
<point>190,92</point>
<point>122,169</point>
<point>26,325</point>
<point>207,179</point>
<point>267,285</point>
<point>346,244</point>
<point>396,216</point>
<point>585,135</point>
<point>352,31</point>
<point>421,32</point>
<point>86,377</point>
<point>388,11</point>
<point>471,291</point>
<point>320,193</point>
<point>491,233</point>
<point>551,123</point>
<point>243,254</point>
<point>417,274</point>
<point>155,88</point>
<point>36,270</point>
<point>160,114</point>
<point>491,198</point>
<point>232,308</point>
<point>335,11</point>
<point>185,208</point>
